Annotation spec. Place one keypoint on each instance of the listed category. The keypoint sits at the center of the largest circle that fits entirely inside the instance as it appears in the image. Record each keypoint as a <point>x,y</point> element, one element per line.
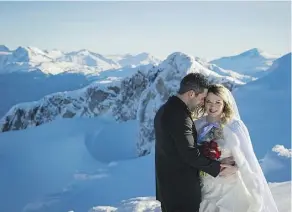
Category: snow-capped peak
<point>135,60</point>
<point>168,77</point>
<point>253,62</point>
<point>257,52</point>
<point>82,52</point>
<point>88,58</point>
<point>21,54</point>
<point>29,54</point>
<point>4,48</point>
<point>186,62</point>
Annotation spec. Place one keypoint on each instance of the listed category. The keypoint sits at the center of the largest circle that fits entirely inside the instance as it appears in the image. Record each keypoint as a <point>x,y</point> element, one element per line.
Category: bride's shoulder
<point>235,125</point>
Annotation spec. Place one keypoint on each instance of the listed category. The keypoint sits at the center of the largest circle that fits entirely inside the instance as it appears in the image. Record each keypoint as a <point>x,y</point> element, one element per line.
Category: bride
<point>247,190</point>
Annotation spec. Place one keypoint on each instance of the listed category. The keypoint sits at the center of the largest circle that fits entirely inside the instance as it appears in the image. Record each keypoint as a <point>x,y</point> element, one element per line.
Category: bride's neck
<point>212,119</point>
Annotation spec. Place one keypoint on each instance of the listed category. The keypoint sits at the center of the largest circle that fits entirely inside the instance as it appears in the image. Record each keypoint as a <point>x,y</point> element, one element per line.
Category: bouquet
<point>211,150</point>
<point>207,140</point>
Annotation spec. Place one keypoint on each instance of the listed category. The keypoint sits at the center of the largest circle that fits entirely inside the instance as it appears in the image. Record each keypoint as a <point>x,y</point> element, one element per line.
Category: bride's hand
<point>227,170</point>
<point>229,161</point>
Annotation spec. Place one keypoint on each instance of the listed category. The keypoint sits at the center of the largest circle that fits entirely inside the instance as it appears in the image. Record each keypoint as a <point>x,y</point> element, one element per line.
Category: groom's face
<point>196,100</point>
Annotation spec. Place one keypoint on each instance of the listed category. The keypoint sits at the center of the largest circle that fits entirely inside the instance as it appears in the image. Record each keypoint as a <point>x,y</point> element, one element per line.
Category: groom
<point>177,157</point>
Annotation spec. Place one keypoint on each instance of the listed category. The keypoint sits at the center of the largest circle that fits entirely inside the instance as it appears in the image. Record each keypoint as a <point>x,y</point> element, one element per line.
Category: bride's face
<point>214,105</point>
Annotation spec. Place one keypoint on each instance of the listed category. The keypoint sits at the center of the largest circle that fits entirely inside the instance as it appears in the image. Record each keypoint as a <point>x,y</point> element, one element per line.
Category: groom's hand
<point>227,170</point>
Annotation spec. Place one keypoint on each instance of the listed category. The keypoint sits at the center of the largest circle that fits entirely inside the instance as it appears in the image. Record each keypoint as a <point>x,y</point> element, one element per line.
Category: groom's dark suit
<point>178,159</point>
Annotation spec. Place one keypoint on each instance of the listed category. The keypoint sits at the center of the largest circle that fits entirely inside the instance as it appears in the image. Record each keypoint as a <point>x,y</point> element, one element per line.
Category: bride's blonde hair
<point>222,92</point>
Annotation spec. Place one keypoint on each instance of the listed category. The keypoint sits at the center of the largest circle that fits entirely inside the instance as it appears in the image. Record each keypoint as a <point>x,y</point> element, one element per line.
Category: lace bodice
<point>225,148</point>
<point>222,143</point>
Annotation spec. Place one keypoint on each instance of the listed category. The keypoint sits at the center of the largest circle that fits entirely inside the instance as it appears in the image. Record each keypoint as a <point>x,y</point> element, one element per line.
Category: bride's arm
<point>250,178</point>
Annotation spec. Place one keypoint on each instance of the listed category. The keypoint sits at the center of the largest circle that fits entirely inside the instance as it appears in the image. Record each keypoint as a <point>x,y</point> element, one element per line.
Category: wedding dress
<point>245,191</point>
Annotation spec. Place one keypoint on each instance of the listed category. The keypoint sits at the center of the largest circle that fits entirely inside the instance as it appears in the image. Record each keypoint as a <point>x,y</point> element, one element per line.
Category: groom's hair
<point>193,81</point>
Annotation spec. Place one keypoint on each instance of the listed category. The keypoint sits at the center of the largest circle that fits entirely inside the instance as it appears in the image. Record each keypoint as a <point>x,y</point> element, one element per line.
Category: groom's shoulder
<point>200,120</point>
<point>174,104</point>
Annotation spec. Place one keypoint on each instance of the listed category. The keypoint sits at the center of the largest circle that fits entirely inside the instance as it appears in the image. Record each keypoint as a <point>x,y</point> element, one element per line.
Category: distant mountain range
<point>254,62</point>
<point>27,59</point>
<point>28,73</point>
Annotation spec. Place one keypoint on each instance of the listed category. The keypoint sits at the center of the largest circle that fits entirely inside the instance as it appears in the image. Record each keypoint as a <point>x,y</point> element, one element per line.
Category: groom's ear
<point>192,93</point>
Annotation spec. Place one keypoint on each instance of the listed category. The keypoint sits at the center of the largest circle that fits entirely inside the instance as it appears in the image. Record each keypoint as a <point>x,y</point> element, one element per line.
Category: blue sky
<point>203,29</point>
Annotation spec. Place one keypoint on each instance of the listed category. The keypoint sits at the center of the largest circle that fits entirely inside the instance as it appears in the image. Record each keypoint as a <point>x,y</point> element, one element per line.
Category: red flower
<point>211,150</point>
<point>218,154</point>
<point>213,144</point>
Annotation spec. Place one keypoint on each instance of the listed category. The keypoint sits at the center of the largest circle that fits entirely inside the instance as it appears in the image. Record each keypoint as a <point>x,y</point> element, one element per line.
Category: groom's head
<point>193,90</point>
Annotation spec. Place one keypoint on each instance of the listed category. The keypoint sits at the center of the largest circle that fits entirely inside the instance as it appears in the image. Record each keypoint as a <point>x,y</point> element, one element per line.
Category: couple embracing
<point>207,164</point>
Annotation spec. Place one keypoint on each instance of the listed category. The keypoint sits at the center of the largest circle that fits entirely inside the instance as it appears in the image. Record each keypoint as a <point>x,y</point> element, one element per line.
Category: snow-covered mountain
<point>37,73</point>
<point>22,59</point>
<point>253,62</point>
<point>34,85</point>
<point>115,95</point>
<point>223,72</point>
<point>4,49</point>
<point>18,87</point>
<point>172,70</point>
<point>124,98</point>
<point>135,60</point>
<point>88,58</point>
<point>27,59</point>
<point>265,106</point>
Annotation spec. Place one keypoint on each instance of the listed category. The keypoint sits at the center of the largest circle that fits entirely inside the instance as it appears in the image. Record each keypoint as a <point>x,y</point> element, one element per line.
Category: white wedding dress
<point>227,194</point>
<point>245,191</point>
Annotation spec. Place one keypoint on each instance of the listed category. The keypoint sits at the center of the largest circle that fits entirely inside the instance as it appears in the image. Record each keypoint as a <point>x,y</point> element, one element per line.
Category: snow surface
<point>79,164</point>
<point>276,164</point>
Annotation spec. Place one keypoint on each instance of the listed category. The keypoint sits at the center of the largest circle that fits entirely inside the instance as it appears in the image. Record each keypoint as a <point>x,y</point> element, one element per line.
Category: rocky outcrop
<point>118,98</point>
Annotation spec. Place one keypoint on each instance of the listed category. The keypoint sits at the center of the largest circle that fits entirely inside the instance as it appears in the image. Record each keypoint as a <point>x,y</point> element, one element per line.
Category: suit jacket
<point>178,159</point>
